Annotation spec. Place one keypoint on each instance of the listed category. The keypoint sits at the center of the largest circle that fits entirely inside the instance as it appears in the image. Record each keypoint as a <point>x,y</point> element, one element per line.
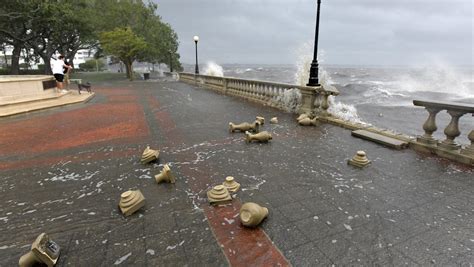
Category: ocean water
<point>381,96</point>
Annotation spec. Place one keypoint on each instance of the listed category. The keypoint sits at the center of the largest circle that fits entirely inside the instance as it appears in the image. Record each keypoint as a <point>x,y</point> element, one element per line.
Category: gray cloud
<point>351,32</point>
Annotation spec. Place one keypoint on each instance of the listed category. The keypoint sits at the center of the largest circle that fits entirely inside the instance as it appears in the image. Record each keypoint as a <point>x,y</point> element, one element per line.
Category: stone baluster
<point>268,96</point>
<point>325,104</point>
<point>246,90</point>
<point>452,131</point>
<point>272,95</point>
<point>469,150</point>
<point>225,84</point>
<point>259,92</point>
<point>429,127</point>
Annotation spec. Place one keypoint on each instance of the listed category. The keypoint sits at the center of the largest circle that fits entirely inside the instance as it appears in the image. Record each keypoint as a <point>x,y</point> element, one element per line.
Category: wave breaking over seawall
<point>213,69</point>
<point>303,65</point>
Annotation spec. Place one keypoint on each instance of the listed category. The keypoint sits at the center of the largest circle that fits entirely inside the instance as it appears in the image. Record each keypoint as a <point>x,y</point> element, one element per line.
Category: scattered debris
<point>131,201</point>
<point>252,214</point>
<point>231,184</point>
<point>165,175</point>
<point>309,122</point>
<point>260,119</point>
<point>122,259</point>
<point>218,195</point>
<point>259,137</point>
<point>274,120</point>
<point>245,126</point>
<point>43,250</point>
<point>149,155</point>
<point>302,116</point>
<point>359,160</point>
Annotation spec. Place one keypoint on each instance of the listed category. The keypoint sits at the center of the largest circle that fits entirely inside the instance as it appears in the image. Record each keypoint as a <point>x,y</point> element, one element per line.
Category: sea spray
<point>303,65</point>
<point>438,77</point>
<point>290,100</point>
<point>213,69</point>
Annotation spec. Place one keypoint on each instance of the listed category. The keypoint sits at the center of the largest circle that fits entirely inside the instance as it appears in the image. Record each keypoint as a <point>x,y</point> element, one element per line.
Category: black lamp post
<point>171,61</point>
<point>313,72</point>
<point>196,39</point>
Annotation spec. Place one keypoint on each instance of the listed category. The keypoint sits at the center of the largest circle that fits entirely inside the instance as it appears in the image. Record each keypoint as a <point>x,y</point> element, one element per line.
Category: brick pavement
<point>62,172</point>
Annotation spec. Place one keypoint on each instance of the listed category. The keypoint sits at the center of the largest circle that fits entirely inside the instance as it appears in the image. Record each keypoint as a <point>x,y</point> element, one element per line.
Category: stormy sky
<point>360,32</point>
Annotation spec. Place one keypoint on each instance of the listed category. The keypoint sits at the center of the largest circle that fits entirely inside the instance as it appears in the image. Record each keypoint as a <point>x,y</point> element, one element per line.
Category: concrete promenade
<point>62,172</point>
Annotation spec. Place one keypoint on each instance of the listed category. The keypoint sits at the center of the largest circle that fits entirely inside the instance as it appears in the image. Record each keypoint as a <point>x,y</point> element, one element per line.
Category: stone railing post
<point>429,127</point>
<point>469,150</point>
<point>452,131</point>
<point>308,95</point>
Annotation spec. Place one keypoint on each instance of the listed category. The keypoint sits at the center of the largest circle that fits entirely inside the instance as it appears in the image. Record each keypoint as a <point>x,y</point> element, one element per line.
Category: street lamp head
<point>196,38</point>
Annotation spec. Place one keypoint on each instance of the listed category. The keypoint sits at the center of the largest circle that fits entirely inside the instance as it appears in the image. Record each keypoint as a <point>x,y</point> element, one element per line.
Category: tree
<point>124,44</point>
<point>16,19</point>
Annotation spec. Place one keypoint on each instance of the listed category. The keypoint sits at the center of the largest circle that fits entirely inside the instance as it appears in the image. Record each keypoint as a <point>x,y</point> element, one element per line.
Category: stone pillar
<point>308,95</point>
<point>325,104</point>
<point>430,127</point>
<point>469,150</point>
<point>452,131</point>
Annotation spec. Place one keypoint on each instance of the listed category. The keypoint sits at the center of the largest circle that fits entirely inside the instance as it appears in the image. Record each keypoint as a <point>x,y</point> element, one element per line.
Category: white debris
<point>122,259</point>
<point>348,227</point>
<point>334,241</point>
<point>150,251</point>
<point>231,221</point>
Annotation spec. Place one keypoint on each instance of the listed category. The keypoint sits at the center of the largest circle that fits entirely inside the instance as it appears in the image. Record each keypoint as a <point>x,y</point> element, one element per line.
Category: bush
<point>91,65</point>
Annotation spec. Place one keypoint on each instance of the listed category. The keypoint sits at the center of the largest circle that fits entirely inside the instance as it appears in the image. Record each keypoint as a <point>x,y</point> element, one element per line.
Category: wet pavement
<point>62,172</point>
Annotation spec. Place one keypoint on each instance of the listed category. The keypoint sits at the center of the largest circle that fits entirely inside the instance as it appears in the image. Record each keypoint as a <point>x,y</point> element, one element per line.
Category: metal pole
<point>313,73</point>
<point>171,62</point>
<point>197,66</point>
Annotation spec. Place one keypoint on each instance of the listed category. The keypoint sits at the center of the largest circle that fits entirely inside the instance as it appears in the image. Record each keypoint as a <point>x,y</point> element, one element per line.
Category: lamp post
<point>313,72</point>
<point>196,39</point>
<point>171,61</point>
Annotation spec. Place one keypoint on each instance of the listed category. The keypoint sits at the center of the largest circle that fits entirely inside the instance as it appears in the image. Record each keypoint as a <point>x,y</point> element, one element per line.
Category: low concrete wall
<point>24,85</point>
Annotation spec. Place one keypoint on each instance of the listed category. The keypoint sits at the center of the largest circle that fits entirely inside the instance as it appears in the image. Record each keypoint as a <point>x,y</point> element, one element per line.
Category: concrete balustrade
<point>448,147</point>
<point>266,93</point>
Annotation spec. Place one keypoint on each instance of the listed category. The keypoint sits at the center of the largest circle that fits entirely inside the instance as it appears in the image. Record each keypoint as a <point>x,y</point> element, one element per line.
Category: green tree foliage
<point>65,26</point>
<point>125,45</point>
<point>92,65</point>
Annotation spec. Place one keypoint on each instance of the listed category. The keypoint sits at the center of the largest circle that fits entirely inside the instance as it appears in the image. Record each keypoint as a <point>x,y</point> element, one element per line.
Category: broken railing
<point>448,147</point>
<point>314,100</point>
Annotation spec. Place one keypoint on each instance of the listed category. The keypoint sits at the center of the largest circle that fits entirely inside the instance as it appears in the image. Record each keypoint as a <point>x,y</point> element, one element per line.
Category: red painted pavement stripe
<point>242,246</point>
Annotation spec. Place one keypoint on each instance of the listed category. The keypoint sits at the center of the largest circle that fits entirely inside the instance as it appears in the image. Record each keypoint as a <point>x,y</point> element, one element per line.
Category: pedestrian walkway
<point>62,172</point>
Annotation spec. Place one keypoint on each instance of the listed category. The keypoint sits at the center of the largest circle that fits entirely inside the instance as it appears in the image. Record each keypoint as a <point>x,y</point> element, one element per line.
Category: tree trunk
<point>130,70</point>
<point>127,69</point>
<point>15,66</point>
<point>47,65</point>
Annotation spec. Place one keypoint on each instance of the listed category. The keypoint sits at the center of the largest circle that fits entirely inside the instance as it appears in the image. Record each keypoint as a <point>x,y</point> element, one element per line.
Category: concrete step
<point>380,139</point>
<point>22,99</point>
<point>24,107</point>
